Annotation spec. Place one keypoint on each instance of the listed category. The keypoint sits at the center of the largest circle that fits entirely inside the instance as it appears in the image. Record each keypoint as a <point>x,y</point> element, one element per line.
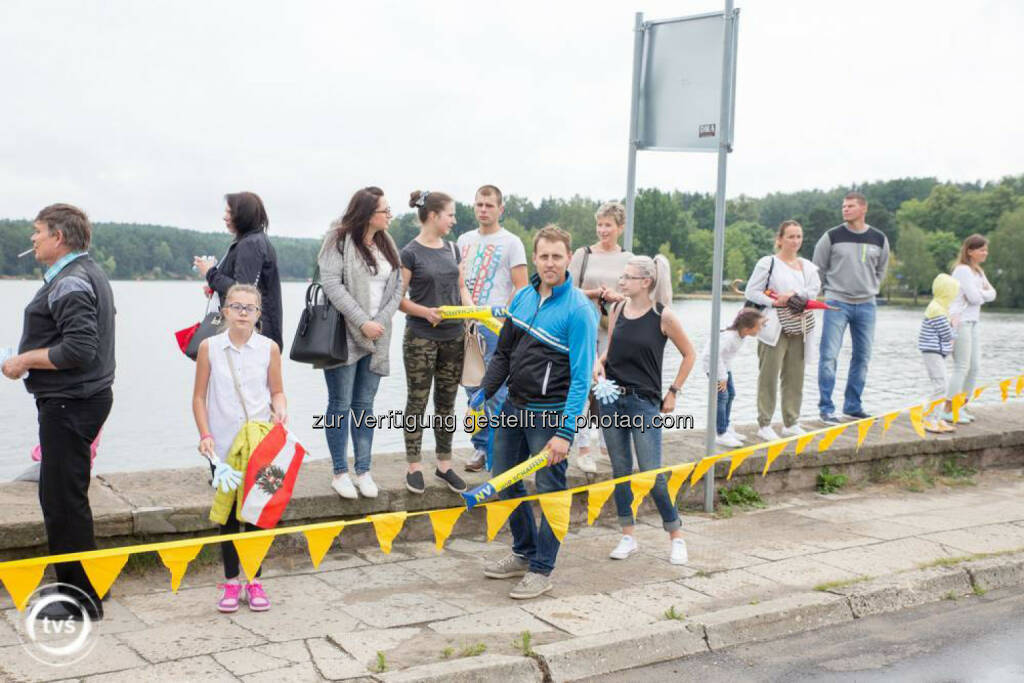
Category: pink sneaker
<point>256,597</point>
<point>229,598</point>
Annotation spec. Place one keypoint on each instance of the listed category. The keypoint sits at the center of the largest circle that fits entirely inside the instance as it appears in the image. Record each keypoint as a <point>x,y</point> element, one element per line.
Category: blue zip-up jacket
<point>546,352</point>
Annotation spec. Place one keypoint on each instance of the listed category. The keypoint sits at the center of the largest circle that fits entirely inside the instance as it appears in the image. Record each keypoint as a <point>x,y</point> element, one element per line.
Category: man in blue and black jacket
<point>546,353</point>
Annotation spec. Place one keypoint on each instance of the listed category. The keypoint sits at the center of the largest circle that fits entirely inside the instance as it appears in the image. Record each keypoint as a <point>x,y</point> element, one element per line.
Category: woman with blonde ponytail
<point>637,332</point>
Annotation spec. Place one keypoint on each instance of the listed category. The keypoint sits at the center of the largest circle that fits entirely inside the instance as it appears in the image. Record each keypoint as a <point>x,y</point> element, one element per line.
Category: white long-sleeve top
<point>729,343</point>
<point>805,282</point>
<point>975,290</point>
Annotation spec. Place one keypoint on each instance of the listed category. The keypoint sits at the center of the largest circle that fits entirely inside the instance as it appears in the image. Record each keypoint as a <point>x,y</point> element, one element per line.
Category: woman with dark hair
<point>250,260</point>
<point>965,314</point>
<point>360,274</point>
<point>433,347</point>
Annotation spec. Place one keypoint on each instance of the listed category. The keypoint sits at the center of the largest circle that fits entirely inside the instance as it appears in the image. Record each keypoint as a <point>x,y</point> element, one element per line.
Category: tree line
<point>924,219</point>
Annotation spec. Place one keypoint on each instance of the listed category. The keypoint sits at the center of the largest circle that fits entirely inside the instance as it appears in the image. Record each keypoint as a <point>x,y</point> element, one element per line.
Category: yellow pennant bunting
<point>640,485</point>
<point>21,581</point>
<point>863,427</point>
<point>703,465</point>
<point>678,478</point>
<point>774,451</point>
<point>933,405</point>
<point>251,552</point>
<point>802,442</point>
<point>497,515</point>
<point>387,525</point>
<point>888,419</point>
<point>915,419</point>
<point>177,559</point>
<point>597,495</point>
<point>1004,389</point>
<point>958,402</point>
<point>443,521</point>
<point>978,392</point>
<point>319,541</point>
<point>830,436</point>
<point>556,507</point>
<point>103,571</point>
<point>1020,385</point>
<point>738,457</point>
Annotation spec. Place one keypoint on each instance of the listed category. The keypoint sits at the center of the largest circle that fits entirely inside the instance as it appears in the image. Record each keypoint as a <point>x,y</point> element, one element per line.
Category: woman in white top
<point>965,312</point>
<point>596,269</point>
<point>789,339</point>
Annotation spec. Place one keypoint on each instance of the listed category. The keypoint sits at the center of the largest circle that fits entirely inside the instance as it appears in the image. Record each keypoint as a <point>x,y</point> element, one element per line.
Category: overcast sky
<point>151,111</point>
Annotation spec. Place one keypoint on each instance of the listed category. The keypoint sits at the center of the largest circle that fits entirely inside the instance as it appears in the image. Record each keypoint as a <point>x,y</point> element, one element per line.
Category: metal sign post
<point>683,95</point>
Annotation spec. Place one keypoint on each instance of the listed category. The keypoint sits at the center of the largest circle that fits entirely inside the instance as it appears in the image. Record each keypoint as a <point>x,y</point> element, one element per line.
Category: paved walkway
<point>416,607</point>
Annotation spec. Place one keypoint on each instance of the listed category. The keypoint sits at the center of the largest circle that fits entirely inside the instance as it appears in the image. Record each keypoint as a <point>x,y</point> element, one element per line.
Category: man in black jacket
<point>67,352</point>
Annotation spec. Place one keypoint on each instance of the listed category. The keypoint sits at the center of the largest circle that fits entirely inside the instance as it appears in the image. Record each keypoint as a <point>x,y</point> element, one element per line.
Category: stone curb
<point>996,572</point>
<point>482,669</point>
<point>893,593</point>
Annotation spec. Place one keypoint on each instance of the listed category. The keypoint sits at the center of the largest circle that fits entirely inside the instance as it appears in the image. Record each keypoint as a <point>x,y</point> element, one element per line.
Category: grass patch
<point>740,496</point>
<point>978,590</point>
<point>830,585</point>
<point>947,561</point>
<point>830,483</point>
<point>914,479</point>
<point>447,652</point>
<point>952,467</point>
<point>525,644</point>
<point>951,595</point>
<point>381,665</point>
<point>671,613</point>
<point>473,650</point>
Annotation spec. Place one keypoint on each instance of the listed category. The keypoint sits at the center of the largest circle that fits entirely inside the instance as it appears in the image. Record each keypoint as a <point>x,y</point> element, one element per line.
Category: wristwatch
<point>674,389</point>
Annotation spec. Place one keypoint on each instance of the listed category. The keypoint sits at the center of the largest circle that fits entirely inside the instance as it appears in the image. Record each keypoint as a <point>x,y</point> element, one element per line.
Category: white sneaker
<point>736,435</point>
<point>587,464</point>
<point>793,430</point>
<point>626,547</point>
<point>342,484</point>
<point>964,415</point>
<point>679,554</point>
<point>766,433</point>
<point>727,441</point>
<point>366,485</point>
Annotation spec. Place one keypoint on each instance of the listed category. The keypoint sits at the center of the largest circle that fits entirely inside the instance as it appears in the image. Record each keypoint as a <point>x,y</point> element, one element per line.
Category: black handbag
<point>321,337</point>
<point>750,304</point>
<point>210,326</point>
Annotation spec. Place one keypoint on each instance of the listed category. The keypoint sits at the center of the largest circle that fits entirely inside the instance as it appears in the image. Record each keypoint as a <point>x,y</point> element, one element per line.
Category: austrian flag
<point>270,477</point>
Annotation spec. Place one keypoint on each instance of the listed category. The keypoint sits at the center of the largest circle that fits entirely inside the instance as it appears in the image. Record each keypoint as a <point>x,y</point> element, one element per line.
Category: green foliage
<point>953,468</point>
<point>447,652</point>
<point>676,265</point>
<point>944,247</point>
<point>918,266</point>
<point>473,650</point>
<point>830,483</point>
<point>524,644</point>
<point>671,613</point>
<point>381,665</point>
<point>1006,256</point>
<point>741,496</point>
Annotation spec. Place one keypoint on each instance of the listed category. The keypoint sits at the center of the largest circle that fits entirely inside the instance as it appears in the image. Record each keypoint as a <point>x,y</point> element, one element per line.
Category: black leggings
<point>228,553</point>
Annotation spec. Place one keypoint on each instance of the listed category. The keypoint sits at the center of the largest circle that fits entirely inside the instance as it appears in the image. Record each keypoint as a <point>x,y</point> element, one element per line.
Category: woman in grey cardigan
<point>360,274</point>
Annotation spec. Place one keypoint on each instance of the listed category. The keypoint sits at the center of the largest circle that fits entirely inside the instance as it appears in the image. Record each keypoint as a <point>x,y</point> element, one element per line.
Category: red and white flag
<point>270,477</point>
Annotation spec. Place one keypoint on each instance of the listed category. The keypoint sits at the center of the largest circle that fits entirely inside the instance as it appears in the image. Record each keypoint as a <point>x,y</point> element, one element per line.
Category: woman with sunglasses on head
<point>360,274</point>
<point>637,332</point>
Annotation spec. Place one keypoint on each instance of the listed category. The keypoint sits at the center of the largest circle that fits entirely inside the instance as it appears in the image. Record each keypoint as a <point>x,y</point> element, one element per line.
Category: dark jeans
<point>67,427</point>
<point>724,411</point>
<point>513,445</point>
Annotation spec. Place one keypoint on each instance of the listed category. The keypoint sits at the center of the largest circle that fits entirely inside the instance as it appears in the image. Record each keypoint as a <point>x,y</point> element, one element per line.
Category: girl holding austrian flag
<point>238,392</point>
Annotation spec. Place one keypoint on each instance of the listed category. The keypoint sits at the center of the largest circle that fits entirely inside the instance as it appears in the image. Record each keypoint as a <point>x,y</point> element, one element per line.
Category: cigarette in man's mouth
<point>26,252</point>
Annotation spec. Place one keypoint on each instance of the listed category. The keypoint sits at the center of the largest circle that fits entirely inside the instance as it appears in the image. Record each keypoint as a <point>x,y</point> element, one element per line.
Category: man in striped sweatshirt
<point>935,342</point>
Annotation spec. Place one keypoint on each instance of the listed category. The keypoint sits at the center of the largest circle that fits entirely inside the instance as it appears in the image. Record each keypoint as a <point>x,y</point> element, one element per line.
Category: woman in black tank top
<point>637,334</point>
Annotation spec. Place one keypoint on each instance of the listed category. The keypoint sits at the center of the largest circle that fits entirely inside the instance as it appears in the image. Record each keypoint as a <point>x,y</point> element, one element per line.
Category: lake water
<point>151,424</point>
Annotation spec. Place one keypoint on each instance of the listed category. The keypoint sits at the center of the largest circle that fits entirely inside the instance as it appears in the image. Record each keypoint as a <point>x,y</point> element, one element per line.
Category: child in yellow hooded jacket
<point>935,342</point>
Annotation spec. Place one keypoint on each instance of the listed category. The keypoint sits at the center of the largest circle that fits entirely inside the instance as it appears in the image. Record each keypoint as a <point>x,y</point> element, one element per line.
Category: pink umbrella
<point>37,452</point>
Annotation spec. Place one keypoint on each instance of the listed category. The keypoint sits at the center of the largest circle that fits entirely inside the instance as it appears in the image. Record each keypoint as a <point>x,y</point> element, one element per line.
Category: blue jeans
<point>350,392</point>
<point>724,411</point>
<point>861,320</point>
<point>482,440</point>
<point>648,457</point>
<point>513,445</point>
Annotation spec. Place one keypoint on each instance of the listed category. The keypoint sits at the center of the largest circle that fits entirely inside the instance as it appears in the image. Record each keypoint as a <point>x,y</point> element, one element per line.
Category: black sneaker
<point>857,414</point>
<point>454,481</point>
<point>830,419</point>
<point>414,482</point>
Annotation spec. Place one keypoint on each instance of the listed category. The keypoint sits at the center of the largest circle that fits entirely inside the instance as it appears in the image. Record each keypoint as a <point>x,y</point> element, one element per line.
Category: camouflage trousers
<point>427,362</point>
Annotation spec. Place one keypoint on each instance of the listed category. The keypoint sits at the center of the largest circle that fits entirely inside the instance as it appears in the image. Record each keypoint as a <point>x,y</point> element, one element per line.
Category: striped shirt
<point>936,336</point>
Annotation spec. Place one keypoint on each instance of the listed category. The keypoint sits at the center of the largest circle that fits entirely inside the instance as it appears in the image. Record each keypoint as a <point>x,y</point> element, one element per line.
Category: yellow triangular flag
<point>915,418</point>
<point>703,465</point>
<point>641,484</point>
<point>830,436</point>
<point>933,405</point>
<point>443,521</point>
<point>387,525</point>
<point>1020,384</point>
<point>21,581</point>
<point>1004,389</point>
<point>556,507</point>
<point>774,451</point>
<point>978,392</point>
<point>678,478</point>
<point>319,541</point>
<point>801,443</point>
<point>177,559</point>
<point>738,457</point>
<point>887,420</point>
<point>103,571</point>
<point>251,551</point>
<point>497,515</point>
<point>597,495</point>
<point>863,427</point>
<point>958,402</point>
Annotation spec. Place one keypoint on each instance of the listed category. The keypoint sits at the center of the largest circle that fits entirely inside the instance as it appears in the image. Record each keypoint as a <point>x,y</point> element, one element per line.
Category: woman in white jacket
<point>965,312</point>
<point>789,339</point>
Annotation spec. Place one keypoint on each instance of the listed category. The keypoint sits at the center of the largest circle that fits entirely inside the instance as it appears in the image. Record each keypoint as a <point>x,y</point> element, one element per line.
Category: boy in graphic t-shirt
<point>494,262</point>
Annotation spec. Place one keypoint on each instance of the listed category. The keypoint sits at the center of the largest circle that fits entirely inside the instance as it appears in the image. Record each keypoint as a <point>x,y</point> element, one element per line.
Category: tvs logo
<point>706,130</point>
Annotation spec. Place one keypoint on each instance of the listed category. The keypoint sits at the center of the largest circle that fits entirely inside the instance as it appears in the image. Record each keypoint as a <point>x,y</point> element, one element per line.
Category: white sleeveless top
<point>224,409</point>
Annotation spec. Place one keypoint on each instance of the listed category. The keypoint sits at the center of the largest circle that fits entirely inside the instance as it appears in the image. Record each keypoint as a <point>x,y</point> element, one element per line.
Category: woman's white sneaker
<point>736,435</point>
<point>678,554</point>
<point>727,441</point>
<point>793,430</point>
<point>342,484</point>
<point>626,547</point>
<point>766,433</point>
<point>366,485</point>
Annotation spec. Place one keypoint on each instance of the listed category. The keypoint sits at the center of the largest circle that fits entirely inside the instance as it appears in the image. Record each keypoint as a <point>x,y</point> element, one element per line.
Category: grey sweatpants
<point>935,365</point>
